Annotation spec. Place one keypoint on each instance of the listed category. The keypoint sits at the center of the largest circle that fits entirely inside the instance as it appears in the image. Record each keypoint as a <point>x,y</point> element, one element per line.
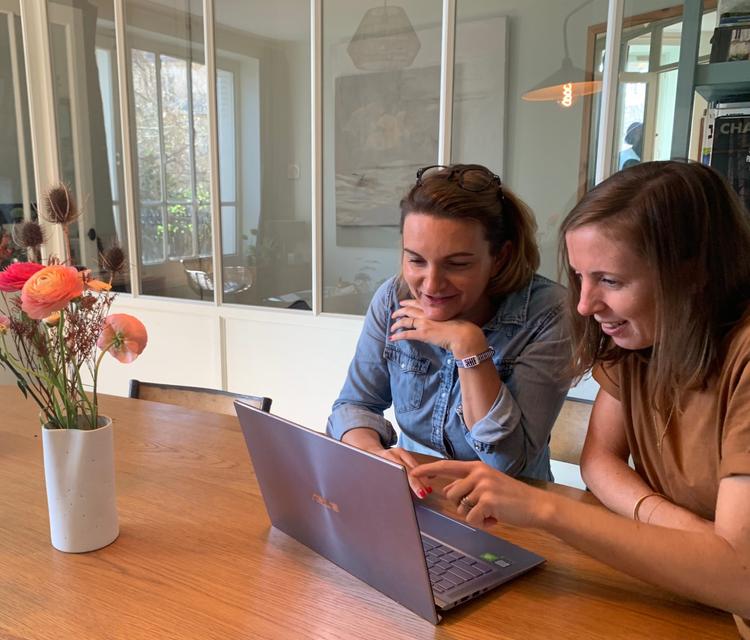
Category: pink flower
<point>15,275</point>
<point>4,324</point>
<point>50,290</point>
<point>123,336</point>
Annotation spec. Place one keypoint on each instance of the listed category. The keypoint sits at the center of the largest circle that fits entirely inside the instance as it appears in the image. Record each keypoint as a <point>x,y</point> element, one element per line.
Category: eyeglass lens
<point>470,179</point>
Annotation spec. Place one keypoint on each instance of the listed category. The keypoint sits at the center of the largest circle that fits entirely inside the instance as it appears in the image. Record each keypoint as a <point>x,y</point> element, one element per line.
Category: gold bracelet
<point>641,500</point>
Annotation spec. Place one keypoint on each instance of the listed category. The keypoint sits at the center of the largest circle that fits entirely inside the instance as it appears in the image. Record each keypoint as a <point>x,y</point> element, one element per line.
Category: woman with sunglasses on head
<point>658,264</point>
<point>467,343</point>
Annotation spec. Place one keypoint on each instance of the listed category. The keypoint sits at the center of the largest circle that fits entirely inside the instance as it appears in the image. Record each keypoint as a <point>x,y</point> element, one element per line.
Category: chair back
<point>569,431</point>
<point>195,397</point>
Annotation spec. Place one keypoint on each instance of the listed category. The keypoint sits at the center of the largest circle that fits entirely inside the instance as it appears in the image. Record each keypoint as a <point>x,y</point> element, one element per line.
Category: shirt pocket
<point>408,375</point>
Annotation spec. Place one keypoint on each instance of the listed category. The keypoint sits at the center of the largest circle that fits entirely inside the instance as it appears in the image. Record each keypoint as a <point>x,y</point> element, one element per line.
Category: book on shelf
<point>726,145</point>
<point>730,43</point>
<point>734,18</point>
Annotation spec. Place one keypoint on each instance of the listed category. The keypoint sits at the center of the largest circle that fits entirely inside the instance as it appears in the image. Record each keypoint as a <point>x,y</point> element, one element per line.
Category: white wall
<point>294,358</point>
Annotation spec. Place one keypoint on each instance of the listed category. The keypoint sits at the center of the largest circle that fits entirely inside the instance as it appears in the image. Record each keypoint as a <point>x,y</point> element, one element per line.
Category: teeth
<point>613,325</point>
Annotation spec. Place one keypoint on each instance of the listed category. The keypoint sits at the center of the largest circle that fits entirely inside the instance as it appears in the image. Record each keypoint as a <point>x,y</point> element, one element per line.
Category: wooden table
<point>197,558</point>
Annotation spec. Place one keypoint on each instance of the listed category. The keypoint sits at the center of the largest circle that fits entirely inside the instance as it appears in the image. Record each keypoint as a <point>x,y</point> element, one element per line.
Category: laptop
<point>356,509</point>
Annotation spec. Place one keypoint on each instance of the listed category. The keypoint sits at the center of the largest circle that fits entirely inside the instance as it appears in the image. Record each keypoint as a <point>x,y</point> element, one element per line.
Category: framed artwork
<point>386,128</point>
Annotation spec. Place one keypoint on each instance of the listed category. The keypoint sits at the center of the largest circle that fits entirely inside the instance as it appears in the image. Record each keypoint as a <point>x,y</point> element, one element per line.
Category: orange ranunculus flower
<point>123,336</point>
<point>50,290</point>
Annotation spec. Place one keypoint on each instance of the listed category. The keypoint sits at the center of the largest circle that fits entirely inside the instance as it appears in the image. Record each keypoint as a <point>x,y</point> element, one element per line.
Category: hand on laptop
<point>484,495</point>
<point>369,440</point>
<point>403,457</point>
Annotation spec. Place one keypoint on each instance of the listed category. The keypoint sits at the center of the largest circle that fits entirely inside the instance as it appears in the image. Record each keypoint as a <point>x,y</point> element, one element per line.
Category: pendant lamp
<point>568,83</point>
<point>384,40</point>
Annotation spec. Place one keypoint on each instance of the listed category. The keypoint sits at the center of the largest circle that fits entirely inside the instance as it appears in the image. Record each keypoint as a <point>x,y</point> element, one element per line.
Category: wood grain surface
<point>197,557</point>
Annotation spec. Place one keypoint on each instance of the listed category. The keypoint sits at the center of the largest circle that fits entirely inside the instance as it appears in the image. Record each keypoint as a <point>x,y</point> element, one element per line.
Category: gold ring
<point>465,502</point>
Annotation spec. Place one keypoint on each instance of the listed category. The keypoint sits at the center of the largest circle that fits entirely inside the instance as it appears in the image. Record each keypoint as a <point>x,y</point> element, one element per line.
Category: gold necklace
<point>660,439</point>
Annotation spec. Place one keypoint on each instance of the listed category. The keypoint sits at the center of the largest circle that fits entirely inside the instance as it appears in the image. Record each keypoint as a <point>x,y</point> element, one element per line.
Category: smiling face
<point>447,265</point>
<point>617,286</point>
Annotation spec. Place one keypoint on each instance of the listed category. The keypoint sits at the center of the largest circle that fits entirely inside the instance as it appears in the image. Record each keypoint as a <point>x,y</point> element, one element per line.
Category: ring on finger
<point>466,503</point>
<point>413,320</point>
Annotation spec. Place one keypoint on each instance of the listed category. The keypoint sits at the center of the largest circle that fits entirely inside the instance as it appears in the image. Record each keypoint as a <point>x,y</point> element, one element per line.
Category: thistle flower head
<point>28,235</point>
<point>113,259</point>
<point>59,205</point>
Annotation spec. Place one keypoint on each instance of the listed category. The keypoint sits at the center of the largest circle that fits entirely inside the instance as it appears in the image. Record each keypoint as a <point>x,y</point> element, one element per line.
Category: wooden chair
<point>569,431</point>
<point>194,397</point>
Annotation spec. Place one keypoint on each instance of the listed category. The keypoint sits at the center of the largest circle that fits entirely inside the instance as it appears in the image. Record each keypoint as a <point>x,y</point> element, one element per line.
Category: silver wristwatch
<point>473,361</point>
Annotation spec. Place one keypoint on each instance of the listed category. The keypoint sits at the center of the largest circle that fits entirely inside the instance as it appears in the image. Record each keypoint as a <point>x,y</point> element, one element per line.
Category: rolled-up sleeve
<point>529,400</point>
<point>366,393</point>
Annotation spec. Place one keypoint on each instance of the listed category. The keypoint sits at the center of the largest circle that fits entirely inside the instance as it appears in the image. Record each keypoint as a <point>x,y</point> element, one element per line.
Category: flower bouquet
<point>55,329</point>
<point>53,318</point>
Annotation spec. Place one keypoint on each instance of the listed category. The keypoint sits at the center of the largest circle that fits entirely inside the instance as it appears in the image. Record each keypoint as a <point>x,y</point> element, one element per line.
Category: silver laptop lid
<point>352,507</point>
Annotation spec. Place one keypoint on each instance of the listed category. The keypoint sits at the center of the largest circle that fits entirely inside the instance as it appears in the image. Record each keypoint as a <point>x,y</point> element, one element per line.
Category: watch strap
<point>476,360</point>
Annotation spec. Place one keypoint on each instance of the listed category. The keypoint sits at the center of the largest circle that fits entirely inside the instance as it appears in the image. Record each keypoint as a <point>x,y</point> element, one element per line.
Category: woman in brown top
<point>658,263</point>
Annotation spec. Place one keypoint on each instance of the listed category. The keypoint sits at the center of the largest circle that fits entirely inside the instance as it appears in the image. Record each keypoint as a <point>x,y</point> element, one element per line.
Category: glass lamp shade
<point>564,86</point>
<point>384,40</point>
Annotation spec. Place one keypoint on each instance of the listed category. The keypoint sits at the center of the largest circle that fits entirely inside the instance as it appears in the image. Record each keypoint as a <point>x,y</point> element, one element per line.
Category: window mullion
<point>608,107</point>
<point>191,155</point>
<point>447,59</point>
<point>162,156</point>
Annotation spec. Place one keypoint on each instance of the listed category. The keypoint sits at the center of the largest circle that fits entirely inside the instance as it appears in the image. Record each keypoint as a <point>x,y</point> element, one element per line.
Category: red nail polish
<point>429,489</point>
<point>421,493</point>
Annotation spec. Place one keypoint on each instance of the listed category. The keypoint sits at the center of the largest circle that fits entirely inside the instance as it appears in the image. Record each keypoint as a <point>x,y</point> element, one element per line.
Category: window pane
<point>263,95</point>
<point>507,50</point>
<point>200,135</point>
<point>480,86</point>
<point>82,38</point>
<point>17,190</point>
<point>170,107</point>
<point>148,150</point>
<point>152,238</point>
<point>648,80</point>
<point>175,113</point>
<point>225,81</point>
<point>381,110</point>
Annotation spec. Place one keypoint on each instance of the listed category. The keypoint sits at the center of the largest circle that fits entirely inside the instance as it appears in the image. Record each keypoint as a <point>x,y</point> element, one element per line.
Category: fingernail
<point>429,489</point>
<point>421,493</point>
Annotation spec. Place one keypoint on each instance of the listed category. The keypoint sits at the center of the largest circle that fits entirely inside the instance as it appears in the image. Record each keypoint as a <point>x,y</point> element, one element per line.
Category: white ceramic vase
<point>79,472</point>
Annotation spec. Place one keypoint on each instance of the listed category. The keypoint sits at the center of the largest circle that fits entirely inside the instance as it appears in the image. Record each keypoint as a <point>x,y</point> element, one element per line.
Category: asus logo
<point>325,503</point>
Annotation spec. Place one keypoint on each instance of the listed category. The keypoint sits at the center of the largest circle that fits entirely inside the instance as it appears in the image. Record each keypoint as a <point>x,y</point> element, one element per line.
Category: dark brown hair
<point>503,216</point>
<point>690,227</point>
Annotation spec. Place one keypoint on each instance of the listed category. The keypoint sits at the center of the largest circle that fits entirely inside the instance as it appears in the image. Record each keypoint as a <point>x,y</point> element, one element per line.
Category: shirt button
<point>448,360</point>
<point>403,366</point>
<point>477,447</point>
<point>442,395</point>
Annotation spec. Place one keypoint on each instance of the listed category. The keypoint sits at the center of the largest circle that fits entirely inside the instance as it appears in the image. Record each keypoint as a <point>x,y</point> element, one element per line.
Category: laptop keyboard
<point>449,568</point>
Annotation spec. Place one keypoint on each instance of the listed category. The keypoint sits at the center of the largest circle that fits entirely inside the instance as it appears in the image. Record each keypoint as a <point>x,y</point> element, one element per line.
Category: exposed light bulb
<point>567,95</point>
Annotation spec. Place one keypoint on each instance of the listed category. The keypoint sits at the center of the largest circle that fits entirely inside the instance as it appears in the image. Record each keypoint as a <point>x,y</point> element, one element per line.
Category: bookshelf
<point>714,81</point>
<point>720,80</point>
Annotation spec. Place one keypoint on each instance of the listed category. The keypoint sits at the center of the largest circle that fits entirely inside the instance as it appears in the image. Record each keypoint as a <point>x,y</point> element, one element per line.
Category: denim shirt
<point>532,349</point>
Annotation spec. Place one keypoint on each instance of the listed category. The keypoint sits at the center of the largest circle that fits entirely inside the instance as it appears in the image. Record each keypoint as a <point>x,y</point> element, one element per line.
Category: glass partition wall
<point>264,152</point>
<point>386,89</point>
<point>17,185</point>
<point>84,71</point>
<point>381,103</point>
